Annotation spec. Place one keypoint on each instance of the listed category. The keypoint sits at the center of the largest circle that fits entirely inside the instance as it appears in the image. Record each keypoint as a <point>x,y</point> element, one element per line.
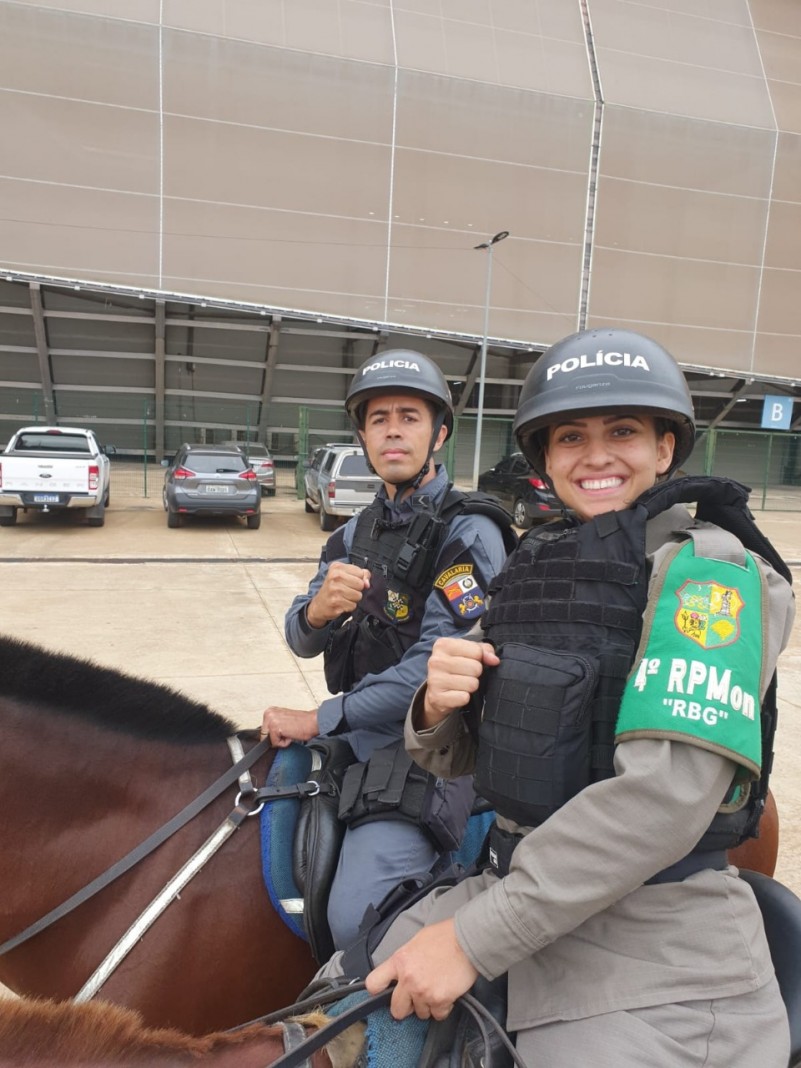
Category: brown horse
<point>49,1034</point>
<point>92,762</point>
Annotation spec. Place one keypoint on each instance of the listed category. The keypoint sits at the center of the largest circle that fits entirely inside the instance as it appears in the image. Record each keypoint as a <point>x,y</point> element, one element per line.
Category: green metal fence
<point>768,462</point>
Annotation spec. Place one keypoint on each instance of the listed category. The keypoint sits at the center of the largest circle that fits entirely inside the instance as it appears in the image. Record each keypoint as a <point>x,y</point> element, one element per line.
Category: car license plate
<point>210,487</point>
<point>45,498</point>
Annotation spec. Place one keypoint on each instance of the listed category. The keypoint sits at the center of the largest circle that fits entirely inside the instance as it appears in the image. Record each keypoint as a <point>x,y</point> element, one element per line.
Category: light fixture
<point>488,245</point>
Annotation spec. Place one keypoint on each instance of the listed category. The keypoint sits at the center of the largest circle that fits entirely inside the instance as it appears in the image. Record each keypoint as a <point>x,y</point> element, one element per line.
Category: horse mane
<point>97,1032</point>
<point>111,698</point>
<point>31,1028</point>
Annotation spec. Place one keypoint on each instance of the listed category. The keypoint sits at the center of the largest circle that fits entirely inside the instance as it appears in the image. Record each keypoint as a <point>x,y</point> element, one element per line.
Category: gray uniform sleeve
<point>446,750</point>
<point>303,639</point>
<point>597,848</point>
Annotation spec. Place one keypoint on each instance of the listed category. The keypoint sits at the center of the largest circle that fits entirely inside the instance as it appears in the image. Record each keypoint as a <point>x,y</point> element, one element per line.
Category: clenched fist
<point>454,670</point>
<point>340,592</point>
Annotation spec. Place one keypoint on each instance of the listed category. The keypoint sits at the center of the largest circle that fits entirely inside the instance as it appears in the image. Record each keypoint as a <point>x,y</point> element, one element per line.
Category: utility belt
<point>391,786</point>
<point>502,845</point>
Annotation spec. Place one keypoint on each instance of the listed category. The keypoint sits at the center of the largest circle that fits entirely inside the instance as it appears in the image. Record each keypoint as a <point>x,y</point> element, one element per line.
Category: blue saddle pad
<point>278,821</point>
<point>474,835</point>
<point>388,1043</point>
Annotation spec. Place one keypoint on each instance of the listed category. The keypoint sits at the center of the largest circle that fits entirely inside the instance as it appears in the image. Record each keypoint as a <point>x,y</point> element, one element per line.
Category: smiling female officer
<point>615,715</point>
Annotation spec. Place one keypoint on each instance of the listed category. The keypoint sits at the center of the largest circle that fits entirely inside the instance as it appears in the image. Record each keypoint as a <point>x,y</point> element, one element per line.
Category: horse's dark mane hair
<point>102,695</point>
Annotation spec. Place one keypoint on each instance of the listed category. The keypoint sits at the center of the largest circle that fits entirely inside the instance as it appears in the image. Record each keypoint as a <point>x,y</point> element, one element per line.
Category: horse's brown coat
<point>78,791</point>
<point>39,1033</point>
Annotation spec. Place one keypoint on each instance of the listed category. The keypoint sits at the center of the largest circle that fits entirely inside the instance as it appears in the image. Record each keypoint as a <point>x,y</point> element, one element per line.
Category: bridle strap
<point>295,1058</point>
<point>142,850</point>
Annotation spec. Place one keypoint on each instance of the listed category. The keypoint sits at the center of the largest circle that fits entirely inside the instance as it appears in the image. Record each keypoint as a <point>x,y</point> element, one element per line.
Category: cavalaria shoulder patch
<point>461,591</point>
<point>708,613</point>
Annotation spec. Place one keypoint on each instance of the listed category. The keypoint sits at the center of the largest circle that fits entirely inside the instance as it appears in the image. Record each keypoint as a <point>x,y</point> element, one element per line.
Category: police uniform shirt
<point>573,923</point>
<point>376,706</point>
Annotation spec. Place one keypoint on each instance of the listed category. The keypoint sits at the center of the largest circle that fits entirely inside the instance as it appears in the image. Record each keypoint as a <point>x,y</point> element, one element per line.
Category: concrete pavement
<point>201,609</point>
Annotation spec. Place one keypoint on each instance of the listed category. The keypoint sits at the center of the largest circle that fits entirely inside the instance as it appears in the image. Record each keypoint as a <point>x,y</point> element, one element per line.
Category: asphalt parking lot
<point>201,609</point>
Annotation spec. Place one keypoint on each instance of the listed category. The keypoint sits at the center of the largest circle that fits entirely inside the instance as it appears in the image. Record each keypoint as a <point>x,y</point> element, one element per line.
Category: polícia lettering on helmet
<point>383,365</point>
<point>610,359</point>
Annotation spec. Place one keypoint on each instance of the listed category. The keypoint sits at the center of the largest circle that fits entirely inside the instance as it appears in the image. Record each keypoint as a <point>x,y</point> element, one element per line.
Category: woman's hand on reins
<point>431,971</point>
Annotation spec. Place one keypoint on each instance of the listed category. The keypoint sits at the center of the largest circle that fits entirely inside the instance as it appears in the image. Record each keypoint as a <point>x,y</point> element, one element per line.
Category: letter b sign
<point>777,413</point>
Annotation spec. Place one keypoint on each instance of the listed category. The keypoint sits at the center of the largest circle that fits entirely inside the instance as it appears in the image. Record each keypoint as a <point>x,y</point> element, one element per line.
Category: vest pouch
<point>359,648</point>
<point>391,786</point>
<point>338,657</point>
<point>378,647</point>
<point>535,733</point>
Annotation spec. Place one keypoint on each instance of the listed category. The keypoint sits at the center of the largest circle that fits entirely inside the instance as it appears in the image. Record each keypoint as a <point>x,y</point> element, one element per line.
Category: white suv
<point>338,483</point>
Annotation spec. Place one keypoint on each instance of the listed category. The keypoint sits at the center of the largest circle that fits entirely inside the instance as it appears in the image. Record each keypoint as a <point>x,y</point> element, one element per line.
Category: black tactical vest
<point>403,558</point>
<point>565,615</point>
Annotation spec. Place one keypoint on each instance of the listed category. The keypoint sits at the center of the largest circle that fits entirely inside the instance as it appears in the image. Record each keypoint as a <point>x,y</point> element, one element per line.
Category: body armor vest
<point>565,616</point>
<point>402,558</point>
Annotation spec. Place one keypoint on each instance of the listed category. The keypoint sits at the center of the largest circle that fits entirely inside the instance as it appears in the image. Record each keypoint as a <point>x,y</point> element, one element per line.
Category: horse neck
<point>53,1034</point>
<point>63,777</point>
<point>53,749</point>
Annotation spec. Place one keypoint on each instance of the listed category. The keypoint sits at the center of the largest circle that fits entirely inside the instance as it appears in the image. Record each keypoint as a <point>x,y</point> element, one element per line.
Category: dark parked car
<point>211,480</point>
<point>517,487</point>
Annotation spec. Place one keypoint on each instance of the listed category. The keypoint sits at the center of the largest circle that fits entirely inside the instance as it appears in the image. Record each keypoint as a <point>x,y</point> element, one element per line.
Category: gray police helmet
<point>399,371</point>
<point>603,371</point>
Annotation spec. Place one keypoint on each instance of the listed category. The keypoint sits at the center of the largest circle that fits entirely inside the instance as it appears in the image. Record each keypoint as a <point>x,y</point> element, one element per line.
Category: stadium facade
<point>213,210</point>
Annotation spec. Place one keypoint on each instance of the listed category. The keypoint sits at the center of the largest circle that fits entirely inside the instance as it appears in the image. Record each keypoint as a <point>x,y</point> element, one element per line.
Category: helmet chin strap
<point>408,483</point>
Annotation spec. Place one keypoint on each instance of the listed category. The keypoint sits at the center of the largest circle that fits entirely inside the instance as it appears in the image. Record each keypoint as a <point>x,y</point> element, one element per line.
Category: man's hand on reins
<point>286,725</point>
<point>431,972</point>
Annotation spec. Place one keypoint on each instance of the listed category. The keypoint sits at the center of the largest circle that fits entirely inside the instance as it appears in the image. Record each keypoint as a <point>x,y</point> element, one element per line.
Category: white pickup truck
<point>44,468</point>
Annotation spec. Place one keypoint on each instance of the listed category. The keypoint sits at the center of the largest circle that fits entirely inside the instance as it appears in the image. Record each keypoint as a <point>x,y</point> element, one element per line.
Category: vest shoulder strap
<point>475,502</point>
<point>721,501</point>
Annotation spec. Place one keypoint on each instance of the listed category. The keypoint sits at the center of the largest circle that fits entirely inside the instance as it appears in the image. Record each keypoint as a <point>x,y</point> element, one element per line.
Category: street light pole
<point>488,245</point>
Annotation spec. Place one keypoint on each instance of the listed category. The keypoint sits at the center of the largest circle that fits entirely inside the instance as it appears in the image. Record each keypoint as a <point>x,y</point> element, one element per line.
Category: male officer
<point>412,567</point>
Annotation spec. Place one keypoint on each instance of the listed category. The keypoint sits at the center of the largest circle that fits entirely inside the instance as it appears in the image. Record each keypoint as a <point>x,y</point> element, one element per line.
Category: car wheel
<point>521,518</point>
<point>327,522</point>
<point>254,521</point>
<point>9,520</point>
<point>173,519</point>
<point>271,492</point>
<point>307,506</point>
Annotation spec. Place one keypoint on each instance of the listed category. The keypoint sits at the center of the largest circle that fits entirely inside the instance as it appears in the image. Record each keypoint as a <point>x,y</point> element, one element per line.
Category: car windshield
<point>53,443</point>
<point>354,465</point>
<point>206,463</point>
<point>255,450</point>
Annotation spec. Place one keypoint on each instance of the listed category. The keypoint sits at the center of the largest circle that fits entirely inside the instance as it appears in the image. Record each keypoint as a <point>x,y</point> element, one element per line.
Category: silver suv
<point>211,480</point>
<point>260,459</point>
<point>338,483</point>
